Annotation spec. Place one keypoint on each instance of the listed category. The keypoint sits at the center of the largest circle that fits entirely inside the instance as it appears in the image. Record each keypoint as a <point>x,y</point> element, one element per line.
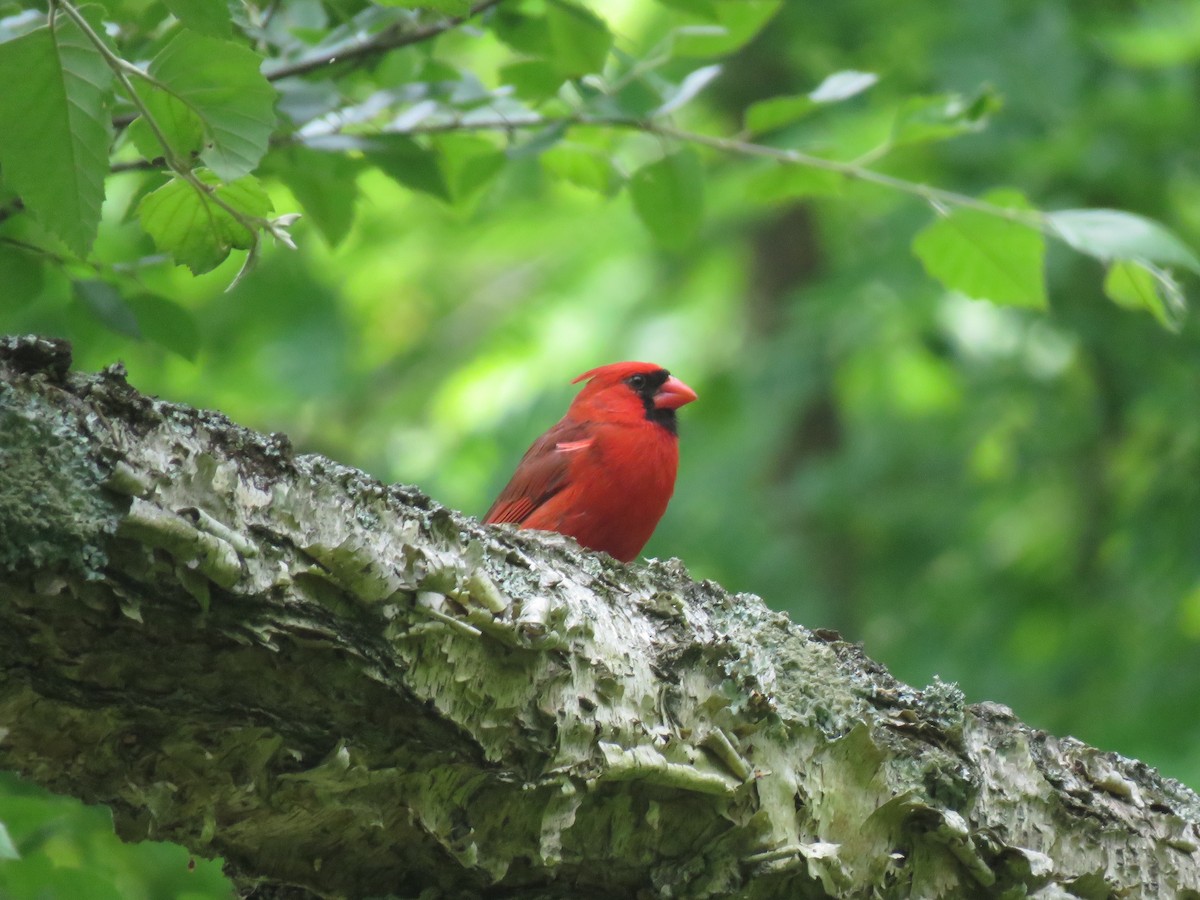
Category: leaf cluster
<point>210,105</point>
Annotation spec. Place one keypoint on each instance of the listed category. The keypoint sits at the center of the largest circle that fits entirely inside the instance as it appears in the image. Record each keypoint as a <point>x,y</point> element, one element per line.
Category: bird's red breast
<point>605,472</point>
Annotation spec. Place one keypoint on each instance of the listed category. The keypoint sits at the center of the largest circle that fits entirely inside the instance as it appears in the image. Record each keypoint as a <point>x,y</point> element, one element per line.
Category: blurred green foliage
<point>54,848</point>
<point>1000,496</point>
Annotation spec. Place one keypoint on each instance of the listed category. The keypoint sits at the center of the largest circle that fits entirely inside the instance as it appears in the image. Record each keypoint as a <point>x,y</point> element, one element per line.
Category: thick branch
<point>342,686</point>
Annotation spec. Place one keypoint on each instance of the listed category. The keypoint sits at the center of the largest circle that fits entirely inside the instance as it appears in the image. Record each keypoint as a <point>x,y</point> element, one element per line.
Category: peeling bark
<point>344,688</point>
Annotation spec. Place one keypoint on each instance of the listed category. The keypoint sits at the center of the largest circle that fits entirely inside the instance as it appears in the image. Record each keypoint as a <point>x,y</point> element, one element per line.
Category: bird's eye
<point>637,382</point>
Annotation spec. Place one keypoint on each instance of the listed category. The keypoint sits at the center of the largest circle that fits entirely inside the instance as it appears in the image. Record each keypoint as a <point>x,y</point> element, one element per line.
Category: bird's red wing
<point>542,473</point>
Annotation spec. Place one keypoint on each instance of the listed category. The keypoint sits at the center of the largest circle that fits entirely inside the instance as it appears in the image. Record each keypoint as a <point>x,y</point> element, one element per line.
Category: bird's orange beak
<point>673,394</point>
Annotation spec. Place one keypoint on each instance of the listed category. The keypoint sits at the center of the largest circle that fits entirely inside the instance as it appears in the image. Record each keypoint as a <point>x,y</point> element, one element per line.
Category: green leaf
<point>583,167</point>
<point>147,184</point>
<point>325,185</point>
<point>221,83</point>
<point>736,25</point>
<point>56,128</point>
<point>210,17</point>
<point>691,85</point>
<point>1146,288</point>
<point>524,33</point>
<point>701,9</point>
<point>167,324</point>
<point>579,39</point>
<point>404,160</point>
<point>193,228</point>
<point>1109,234</point>
<point>8,850</point>
<point>533,80</point>
<point>22,275</point>
<point>538,142</point>
<point>634,96</point>
<point>842,86</point>
<point>469,163</point>
<point>986,257</point>
<point>937,118</point>
<point>788,182</point>
<point>775,112</point>
<point>107,306</point>
<point>455,170</point>
<point>669,197</point>
<point>182,128</point>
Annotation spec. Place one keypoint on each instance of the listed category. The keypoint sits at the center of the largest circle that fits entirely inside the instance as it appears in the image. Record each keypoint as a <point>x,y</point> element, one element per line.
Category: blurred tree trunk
<point>347,690</point>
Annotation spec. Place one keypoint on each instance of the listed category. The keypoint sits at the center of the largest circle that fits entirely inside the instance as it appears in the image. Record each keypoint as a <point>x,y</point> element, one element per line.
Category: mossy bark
<point>343,688</point>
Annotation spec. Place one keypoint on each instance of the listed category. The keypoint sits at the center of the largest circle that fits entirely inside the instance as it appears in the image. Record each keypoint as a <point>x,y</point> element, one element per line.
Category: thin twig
<point>938,198</point>
<point>928,193</point>
<point>129,269</point>
<point>389,39</point>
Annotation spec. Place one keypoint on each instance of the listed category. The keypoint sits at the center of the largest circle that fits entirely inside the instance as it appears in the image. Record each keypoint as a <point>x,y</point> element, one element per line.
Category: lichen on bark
<point>52,511</point>
<point>342,686</point>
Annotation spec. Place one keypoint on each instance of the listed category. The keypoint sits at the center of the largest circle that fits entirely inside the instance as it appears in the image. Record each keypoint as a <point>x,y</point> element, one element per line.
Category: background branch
<point>389,39</point>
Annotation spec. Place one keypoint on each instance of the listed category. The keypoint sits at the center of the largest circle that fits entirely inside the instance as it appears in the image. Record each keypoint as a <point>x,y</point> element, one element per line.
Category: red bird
<point>603,475</point>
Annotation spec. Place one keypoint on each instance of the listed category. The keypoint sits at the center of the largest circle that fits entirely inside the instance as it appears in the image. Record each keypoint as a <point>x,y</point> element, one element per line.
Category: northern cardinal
<point>604,473</point>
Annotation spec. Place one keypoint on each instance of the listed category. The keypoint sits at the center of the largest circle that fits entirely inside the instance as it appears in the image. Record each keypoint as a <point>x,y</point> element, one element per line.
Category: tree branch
<point>342,686</point>
<point>389,39</point>
<point>938,198</point>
